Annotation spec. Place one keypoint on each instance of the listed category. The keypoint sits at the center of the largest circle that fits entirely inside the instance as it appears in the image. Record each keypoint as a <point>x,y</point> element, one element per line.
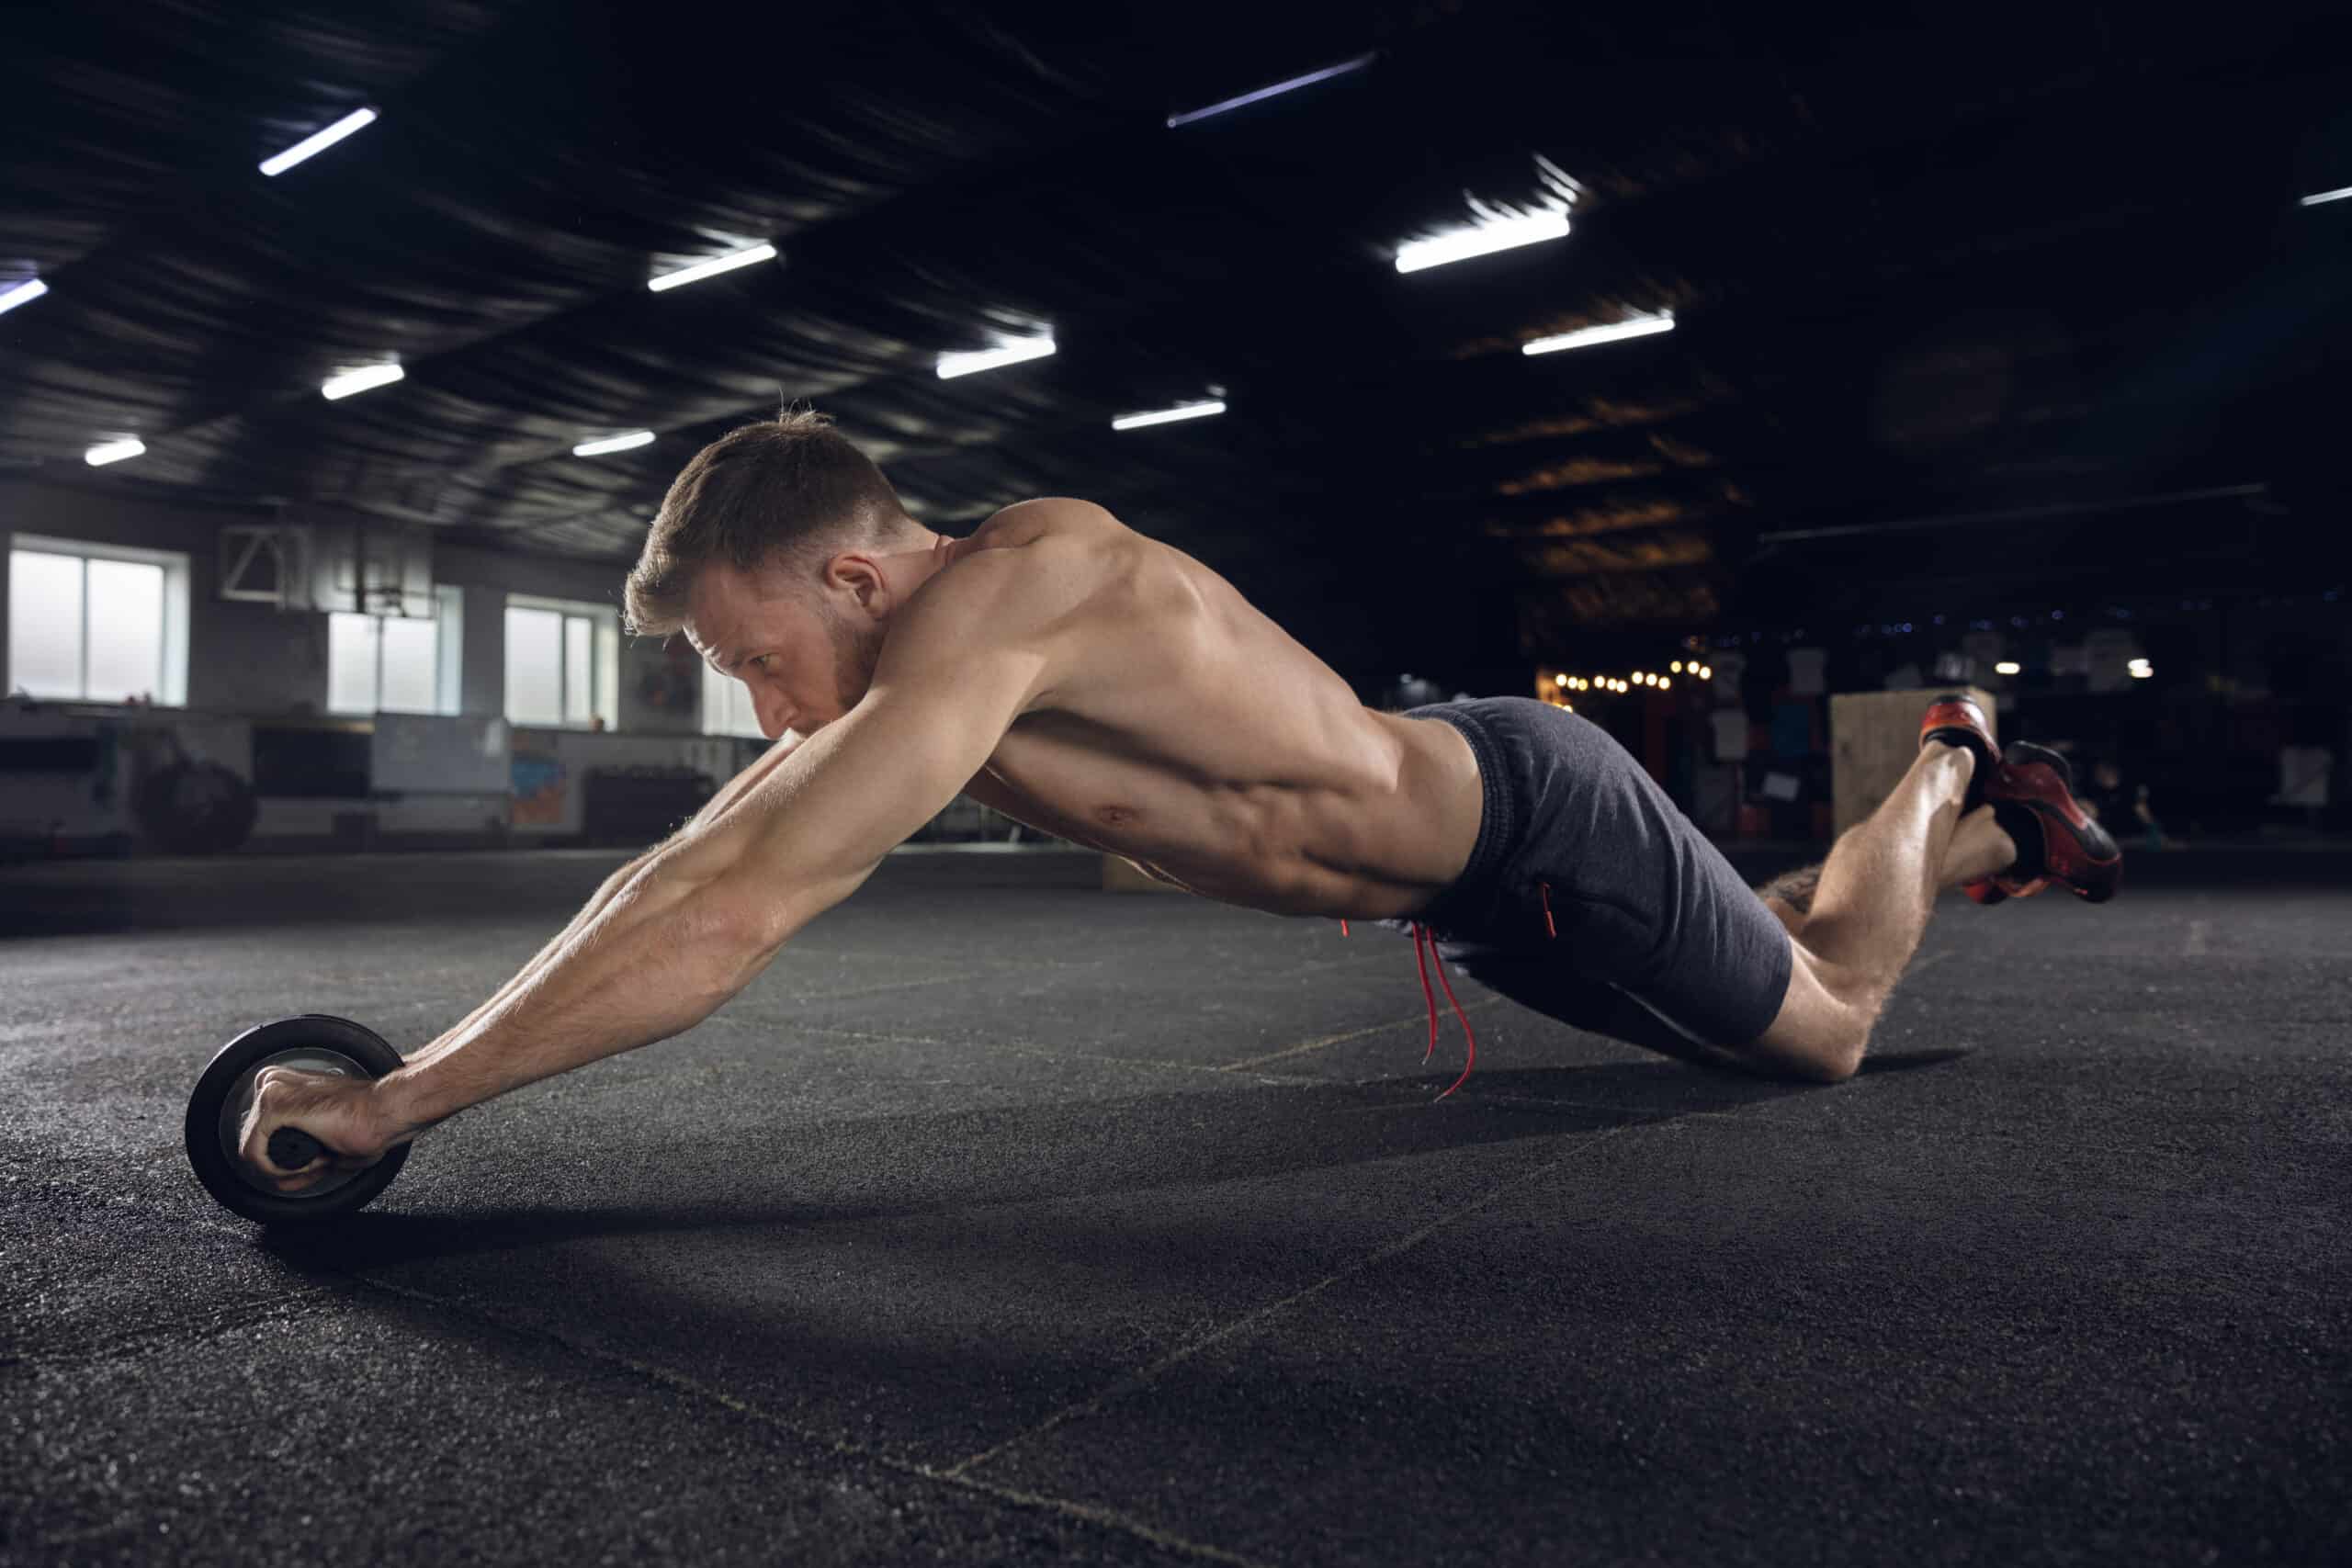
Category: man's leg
<point>1978,848</point>
<point>1868,912</point>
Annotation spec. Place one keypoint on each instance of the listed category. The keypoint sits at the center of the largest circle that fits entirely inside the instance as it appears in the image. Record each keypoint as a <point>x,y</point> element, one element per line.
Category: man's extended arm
<point>706,913</point>
<point>712,810</point>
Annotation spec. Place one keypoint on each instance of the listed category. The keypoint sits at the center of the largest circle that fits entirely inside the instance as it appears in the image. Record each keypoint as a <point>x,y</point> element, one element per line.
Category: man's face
<point>805,659</point>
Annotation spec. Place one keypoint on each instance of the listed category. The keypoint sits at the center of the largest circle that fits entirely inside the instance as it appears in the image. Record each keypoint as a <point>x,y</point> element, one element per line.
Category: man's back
<point>1193,735</point>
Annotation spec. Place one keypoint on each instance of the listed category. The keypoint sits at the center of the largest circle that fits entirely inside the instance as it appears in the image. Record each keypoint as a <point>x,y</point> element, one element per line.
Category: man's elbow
<point>757,916</point>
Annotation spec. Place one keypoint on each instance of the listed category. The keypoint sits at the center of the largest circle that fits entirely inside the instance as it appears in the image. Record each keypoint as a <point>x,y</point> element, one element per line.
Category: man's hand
<point>345,1116</point>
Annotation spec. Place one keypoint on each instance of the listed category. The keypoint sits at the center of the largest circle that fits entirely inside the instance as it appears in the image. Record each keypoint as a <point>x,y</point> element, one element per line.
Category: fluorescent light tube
<point>357,119</point>
<point>25,293</point>
<point>1633,326</point>
<point>352,381</point>
<point>713,267</point>
<point>1165,416</point>
<point>1479,239</point>
<point>634,439</point>
<point>2325,196</point>
<point>108,451</point>
<point>955,364</point>
<point>1358,63</point>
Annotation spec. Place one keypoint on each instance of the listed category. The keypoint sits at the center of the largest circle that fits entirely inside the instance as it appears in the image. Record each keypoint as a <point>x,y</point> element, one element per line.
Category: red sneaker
<point>2033,795</point>
<point>1956,720</point>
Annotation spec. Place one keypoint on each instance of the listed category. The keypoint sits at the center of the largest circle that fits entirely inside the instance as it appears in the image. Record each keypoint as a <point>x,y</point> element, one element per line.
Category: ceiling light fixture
<point>107,452</point>
<point>953,364</point>
<point>1189,116</point>
<point>1585,337</point>
<point>357,119</point>
<point>1481,239</point>
<point>2319,197</point>
<point>349,382</point>
<point>630,442</point>
<point>25,293</point>
<point>1165,416</point>
<point>749,256</point>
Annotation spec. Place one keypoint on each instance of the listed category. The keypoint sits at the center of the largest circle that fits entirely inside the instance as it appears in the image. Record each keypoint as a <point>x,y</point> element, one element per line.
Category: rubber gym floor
<point>1006,1221</point>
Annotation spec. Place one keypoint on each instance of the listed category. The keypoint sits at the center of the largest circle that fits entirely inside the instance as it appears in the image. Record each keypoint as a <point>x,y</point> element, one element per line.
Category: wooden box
<point>1873,738</point>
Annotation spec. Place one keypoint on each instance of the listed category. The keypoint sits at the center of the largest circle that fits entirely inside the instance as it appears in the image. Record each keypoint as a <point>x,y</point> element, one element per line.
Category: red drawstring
<point>1549,929</point>
<point>1469,1034</point>
<point>1421,931</point>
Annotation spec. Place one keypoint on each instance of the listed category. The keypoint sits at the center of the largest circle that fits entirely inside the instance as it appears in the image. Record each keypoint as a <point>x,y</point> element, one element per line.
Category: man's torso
<point>1191,735</point>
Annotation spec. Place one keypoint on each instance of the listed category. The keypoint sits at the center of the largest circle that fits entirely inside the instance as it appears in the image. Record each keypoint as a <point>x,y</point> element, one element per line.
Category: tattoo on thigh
<point>1794,889</point>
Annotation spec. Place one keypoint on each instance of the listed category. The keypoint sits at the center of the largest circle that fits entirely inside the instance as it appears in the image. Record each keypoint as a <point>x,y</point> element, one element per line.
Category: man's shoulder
<point>1048,519</point>
<point>1018,591</point>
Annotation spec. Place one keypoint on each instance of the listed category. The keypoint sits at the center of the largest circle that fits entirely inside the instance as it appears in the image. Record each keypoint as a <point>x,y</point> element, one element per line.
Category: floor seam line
<point>652,1372</point>
<point>1144,1376</point>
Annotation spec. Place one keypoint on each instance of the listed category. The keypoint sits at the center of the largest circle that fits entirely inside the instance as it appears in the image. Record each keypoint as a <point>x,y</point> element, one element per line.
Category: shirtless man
<point>1109,689</point>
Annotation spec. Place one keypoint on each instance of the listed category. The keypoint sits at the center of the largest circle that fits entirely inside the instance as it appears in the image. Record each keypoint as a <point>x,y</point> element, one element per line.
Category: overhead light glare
<point>25,293</point>
<point>953,364</point>
<point>1481,239</point>
<point>352,381</point>
<point>633,440</point>
<point>1189,116</point>
<point>357,119</point>
<point>107,452</point>
<point>749,256</point>
<point>2141,669</point>
<point>1165,416</point>
<point>2008,667</point>
<point>1585,337</point>
<point>2326,196</point>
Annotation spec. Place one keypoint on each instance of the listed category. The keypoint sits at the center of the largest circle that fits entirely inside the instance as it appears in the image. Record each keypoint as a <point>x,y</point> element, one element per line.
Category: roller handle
<point>290,1148</point>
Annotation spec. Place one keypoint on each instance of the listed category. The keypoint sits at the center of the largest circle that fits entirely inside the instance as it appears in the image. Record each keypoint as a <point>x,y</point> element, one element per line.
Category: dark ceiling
<point>1970,303</point>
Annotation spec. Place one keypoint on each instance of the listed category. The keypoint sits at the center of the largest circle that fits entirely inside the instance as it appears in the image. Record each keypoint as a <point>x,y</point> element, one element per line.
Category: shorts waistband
<point>1469,902</point>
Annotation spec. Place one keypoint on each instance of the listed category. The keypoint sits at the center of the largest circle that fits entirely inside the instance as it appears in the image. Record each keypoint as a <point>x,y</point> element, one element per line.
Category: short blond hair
<point>791,491</point>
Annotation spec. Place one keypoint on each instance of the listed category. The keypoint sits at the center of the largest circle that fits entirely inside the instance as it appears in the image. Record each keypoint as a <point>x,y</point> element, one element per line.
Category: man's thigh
<point>1545,982</point>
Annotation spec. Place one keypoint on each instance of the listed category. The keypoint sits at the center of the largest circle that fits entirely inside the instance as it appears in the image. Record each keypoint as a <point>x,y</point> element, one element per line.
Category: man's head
<point>771,552</point>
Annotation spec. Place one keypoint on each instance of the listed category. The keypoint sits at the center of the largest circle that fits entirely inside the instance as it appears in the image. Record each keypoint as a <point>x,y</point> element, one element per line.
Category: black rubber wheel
<point>314,1041</point>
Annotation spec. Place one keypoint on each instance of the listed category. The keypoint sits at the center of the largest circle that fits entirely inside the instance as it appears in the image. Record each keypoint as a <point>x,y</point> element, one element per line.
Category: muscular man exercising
<point>1109,689</point>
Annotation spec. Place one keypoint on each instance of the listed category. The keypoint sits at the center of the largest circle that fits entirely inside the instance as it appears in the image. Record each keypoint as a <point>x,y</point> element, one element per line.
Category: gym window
<point>563,664</point>
<point>727,706</point>
<point>397,663</point>
<point>96,623</point>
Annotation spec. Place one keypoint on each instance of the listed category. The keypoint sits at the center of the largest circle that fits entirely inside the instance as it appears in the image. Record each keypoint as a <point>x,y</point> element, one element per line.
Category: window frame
<point>449,655</point>
<point>171,679</point>
<point>603,659</point>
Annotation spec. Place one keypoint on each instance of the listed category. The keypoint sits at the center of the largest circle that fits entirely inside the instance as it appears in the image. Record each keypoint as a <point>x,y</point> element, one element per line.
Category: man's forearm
<point>588,911</point>
<point>712,810</point>
<point>653,959</point>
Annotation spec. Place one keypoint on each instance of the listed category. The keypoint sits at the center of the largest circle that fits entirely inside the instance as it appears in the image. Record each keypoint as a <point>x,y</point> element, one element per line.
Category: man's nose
<point>769,706</point>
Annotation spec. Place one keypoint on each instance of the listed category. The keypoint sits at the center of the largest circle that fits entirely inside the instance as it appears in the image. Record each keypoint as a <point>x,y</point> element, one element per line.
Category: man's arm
<point>712,809</point>
<point>705,914</point>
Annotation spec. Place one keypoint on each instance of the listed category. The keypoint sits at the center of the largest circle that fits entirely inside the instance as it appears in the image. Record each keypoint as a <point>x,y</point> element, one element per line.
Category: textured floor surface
<point>1003,1220</point>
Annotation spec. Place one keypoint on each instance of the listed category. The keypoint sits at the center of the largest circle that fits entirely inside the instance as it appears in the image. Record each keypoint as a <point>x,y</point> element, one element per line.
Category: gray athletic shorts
<point>1653,938</point>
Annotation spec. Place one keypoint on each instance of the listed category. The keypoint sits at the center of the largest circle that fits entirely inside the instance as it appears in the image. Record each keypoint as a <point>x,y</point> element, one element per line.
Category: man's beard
<point>857,649</point>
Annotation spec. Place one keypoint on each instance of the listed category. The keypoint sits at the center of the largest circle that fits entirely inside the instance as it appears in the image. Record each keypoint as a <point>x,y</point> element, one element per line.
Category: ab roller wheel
<point>313,1043</point>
